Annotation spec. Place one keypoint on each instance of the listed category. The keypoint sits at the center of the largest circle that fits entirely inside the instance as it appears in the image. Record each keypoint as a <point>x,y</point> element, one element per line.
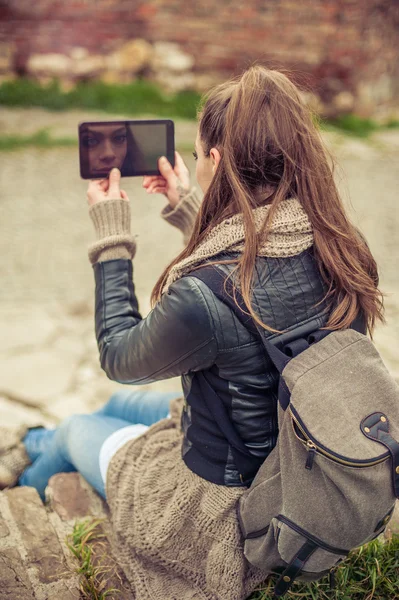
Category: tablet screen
<point>134,147</point>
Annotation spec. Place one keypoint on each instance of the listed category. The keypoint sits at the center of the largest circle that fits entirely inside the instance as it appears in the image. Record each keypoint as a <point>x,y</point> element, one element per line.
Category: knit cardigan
<point>175,534</point>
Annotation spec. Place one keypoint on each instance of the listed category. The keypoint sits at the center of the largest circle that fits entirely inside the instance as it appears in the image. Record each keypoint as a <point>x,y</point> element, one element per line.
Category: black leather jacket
<point>191,330</point>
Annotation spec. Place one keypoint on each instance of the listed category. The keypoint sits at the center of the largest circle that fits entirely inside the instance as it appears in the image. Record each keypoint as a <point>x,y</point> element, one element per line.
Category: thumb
<point>114,179</point>
<point>165,168</point>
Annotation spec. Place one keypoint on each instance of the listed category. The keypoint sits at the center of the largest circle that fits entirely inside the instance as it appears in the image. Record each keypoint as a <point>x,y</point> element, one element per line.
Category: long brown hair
<point>268,139</point>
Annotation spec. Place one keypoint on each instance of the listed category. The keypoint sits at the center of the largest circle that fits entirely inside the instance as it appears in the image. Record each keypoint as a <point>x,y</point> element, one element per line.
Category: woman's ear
<point>215,156</point>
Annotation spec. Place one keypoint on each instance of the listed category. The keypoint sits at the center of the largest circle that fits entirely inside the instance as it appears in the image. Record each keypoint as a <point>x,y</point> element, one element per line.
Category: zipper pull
<point>311,448</point>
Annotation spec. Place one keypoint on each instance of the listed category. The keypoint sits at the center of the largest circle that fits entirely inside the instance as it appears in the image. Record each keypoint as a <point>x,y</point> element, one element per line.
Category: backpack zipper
<point>313,448</point>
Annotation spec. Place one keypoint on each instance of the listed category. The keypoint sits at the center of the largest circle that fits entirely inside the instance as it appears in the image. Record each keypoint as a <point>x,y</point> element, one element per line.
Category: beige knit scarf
<point>289,234</point>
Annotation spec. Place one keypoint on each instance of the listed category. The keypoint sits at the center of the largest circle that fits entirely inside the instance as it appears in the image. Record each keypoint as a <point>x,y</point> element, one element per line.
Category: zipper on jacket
<point>314,448</point>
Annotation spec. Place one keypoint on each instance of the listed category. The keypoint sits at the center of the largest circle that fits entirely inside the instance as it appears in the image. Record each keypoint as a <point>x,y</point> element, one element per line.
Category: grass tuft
<point>85,544</point>
<point>371,572</point>
<point>352,125</point>
<point>40,139</point>
<point>356,126</point>
<point>136,98</point>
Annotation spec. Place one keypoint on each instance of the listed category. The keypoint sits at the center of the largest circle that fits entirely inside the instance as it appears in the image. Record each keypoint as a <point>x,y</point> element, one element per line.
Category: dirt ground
<point>45,227</point>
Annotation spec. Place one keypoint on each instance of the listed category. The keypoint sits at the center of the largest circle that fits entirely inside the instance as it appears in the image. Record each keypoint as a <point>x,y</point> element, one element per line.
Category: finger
<point>93,188</point>
<point>103,184</point>
<point>114,179</point>
<point>124,195</point>
<point>155,186</point>
<point>179,162</point>
<point>154,179</point>
<point>99,184</point>
<point>158,191</point>
<point>160,182</point>
<point>146,180</point>
<point>166,169</point>
<point>151,186</point>
<point>93,184</point>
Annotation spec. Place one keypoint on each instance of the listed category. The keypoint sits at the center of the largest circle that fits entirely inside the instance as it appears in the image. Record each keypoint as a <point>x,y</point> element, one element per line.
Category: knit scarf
<point>289,234</point>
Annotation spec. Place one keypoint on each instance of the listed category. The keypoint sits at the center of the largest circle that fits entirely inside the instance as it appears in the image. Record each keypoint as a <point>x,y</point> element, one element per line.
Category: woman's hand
<point>174,183</point>
<point>105,189</point>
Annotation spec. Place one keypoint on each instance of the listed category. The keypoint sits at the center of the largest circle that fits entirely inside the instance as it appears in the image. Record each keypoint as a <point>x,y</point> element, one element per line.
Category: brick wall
<point>335,45</point>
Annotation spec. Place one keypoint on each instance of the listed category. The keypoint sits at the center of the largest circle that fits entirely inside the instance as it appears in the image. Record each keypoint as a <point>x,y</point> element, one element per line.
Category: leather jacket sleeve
<point>176,337</point>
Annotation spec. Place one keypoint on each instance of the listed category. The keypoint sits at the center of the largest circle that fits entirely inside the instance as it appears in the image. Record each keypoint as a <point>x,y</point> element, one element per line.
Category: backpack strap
<point>215,280</point>
<point>376,428</point>
<point>294,568</point>
<point>243,459</point>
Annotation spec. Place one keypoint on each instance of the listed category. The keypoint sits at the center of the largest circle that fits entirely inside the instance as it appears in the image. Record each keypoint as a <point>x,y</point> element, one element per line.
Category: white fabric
<point>115,441</point>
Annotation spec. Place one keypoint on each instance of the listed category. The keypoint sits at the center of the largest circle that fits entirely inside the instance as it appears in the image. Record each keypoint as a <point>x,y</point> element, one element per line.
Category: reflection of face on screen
<point>104,147</point>
<point>133,147</point>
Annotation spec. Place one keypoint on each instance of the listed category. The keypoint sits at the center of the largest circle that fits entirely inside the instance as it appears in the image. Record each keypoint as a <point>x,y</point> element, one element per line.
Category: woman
<point>272,220</point>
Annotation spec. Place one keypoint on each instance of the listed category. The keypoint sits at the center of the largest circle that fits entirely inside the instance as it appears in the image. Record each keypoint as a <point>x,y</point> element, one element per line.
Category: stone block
<point>60,590</point>
<point>14,414</point>
<point>88,66</point>
<point>176,82</point>
<point>47,373</point>
<point>25,327</point>
<point>71,497</point>
<point>78,53</point>
<point>313,101</point>
<point>14,581</point>
<point>133,56</point>
<point>170,57</point>
<point>4,531</point>
<point>68,404</point>
<point>50,64</point>
<point>67,497</point>
<point>44,551</point>
<point>343,102</point>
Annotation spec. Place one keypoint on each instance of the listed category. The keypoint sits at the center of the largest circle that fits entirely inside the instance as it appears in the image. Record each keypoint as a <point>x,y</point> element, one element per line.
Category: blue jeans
<point>75,444</point>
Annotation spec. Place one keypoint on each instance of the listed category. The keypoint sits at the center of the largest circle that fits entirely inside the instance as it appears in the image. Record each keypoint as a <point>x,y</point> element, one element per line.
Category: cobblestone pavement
<point>35,561</point>
<point>49,364</point>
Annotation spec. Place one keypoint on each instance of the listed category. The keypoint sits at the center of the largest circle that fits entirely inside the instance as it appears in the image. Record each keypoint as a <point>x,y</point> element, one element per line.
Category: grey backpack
<point>330,483</point>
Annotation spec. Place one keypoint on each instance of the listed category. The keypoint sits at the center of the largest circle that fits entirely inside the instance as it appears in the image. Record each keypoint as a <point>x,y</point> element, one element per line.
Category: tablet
<point>133,146</point>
